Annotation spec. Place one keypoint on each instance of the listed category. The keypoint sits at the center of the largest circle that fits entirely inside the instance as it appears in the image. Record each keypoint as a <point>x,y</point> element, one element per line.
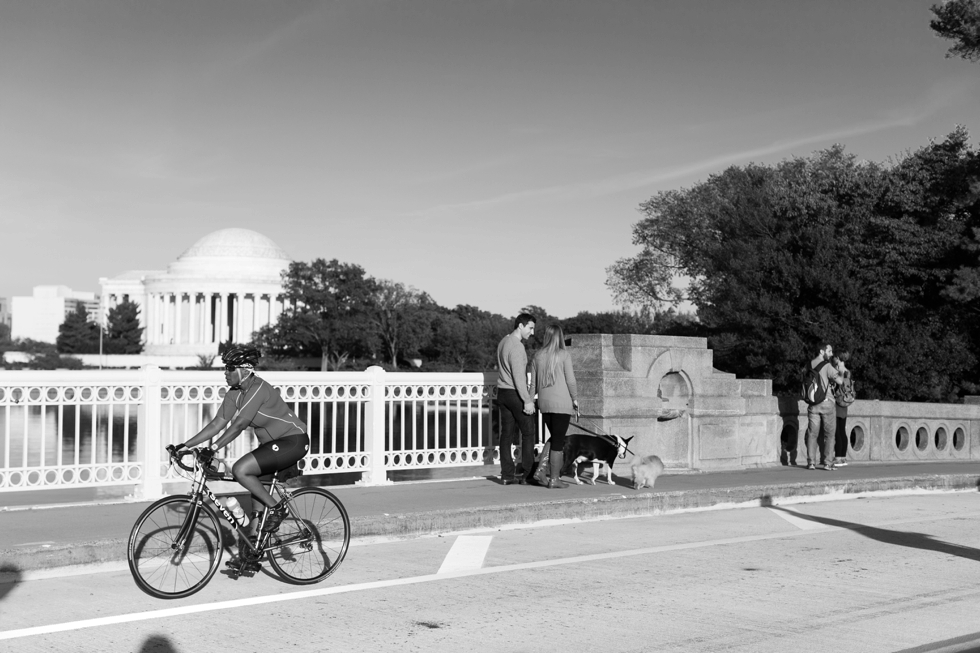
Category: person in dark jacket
<point>843,397</point>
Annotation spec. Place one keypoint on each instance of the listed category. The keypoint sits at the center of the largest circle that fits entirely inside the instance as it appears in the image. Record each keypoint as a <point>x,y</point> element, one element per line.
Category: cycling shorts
<point>278,454</point>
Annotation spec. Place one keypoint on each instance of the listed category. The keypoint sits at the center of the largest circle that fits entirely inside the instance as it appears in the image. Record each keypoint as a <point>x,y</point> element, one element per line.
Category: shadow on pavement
<point>898,538</point>
<point>963,644</point>
<point>10,575</point>
<point>157,644</point>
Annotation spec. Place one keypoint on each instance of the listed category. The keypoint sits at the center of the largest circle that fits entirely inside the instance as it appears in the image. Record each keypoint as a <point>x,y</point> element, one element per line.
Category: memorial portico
<point>224,287</point>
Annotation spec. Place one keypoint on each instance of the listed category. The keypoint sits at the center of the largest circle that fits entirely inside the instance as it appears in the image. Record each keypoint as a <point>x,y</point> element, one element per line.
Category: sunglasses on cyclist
<point>230,368</point>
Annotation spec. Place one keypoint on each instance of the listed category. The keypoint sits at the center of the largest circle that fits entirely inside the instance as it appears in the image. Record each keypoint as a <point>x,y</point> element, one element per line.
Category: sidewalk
<point>44,537</point>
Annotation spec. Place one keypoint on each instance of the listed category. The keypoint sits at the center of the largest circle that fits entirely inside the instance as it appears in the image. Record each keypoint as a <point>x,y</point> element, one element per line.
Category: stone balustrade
<point>892,431</point>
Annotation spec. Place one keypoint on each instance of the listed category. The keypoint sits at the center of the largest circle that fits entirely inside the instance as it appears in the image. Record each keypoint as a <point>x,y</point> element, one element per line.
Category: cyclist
<point>251,401</point>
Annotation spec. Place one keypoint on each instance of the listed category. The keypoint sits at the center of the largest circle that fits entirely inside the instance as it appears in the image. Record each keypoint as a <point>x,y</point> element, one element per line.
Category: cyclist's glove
<point>205,455</point>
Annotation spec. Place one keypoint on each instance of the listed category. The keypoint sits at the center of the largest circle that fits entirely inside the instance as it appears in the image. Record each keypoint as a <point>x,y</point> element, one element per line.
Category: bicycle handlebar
<point>204,456</point>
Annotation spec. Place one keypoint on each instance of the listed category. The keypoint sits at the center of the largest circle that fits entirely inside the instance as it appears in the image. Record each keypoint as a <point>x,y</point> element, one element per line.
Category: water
<point>35,436</point>
<point>47,436</point>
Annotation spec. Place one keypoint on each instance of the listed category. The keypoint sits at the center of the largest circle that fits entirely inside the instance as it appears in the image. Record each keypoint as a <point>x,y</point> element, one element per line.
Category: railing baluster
<point>24,437</point>
<point>6,436</point>
<point>60,431</point>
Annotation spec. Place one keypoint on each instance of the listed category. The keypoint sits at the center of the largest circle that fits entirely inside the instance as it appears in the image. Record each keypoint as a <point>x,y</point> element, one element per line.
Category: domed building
<point>225,286</point>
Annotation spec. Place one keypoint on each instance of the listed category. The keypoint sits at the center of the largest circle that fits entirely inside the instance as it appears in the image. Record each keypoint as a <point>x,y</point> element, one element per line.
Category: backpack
<point>813,389</point>
<point>844,392</point>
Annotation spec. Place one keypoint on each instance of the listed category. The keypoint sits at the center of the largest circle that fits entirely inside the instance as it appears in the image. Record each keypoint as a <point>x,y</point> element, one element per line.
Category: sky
<point>488,152</point>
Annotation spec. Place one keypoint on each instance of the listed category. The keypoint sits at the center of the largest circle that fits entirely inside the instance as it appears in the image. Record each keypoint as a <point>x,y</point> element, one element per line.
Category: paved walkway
<point>34,537</point>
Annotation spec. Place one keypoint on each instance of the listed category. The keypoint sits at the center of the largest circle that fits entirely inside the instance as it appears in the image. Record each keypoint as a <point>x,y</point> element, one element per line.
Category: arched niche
<point>674,391</point>
<point>674,385</point>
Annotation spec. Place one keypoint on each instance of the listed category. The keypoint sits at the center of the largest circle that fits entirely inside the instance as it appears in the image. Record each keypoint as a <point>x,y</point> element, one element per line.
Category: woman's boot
<point>556,459</point>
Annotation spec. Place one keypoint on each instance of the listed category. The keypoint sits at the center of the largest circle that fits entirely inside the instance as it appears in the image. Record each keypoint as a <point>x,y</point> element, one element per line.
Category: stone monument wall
<point>664,392</point>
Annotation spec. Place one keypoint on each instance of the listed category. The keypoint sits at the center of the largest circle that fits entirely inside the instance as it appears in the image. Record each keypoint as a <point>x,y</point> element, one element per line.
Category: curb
<point>427,523</point>
<point>421,524</point>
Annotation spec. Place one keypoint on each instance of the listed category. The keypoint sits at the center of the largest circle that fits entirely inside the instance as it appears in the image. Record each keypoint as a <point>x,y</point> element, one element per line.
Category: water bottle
<point>236,510</point>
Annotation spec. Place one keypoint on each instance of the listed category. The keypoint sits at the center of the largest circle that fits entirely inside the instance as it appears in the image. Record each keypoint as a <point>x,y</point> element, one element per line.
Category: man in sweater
<point>516,401</point>
<point>823,415</point>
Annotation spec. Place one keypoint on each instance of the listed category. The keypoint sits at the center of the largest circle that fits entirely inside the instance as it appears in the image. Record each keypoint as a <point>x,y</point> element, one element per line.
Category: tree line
<point>79,335</point>
<point>346,318</point>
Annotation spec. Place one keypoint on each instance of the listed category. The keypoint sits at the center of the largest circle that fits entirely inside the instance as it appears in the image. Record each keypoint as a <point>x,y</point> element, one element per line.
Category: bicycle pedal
<point>244,566</point>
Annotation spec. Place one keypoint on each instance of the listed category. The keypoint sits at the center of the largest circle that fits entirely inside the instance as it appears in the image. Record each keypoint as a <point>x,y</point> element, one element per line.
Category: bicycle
<point>176,545</point>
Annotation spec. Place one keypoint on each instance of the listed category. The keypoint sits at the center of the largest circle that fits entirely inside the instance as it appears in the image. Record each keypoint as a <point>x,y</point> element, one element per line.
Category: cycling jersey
<point>264,409</point>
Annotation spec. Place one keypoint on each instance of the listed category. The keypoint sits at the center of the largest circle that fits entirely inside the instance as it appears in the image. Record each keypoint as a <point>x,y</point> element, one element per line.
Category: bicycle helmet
<point>241,356</point>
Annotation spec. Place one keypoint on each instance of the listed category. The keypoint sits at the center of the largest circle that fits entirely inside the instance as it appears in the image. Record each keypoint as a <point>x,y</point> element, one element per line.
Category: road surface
<point>864,575</point>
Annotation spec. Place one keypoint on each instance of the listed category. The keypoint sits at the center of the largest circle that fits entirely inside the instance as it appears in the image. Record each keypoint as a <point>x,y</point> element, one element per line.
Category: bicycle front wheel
<point>167,568</point>
<point>312,540</point>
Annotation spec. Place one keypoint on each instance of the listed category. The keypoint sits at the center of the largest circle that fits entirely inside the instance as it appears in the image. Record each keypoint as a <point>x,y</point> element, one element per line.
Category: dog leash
<point>578,425</point>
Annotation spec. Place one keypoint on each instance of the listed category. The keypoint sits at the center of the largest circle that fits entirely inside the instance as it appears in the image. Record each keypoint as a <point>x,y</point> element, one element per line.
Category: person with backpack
<point>843,397</point>
<point>821,408</point>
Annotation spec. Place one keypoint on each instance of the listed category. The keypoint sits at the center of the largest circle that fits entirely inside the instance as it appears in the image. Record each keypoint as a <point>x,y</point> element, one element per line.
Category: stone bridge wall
<point>665,393</point>
<point>891,431</point>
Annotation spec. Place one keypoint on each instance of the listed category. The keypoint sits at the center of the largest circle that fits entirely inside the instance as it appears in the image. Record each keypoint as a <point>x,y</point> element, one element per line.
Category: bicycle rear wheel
<point>159,566</point>
<point>312,540</point>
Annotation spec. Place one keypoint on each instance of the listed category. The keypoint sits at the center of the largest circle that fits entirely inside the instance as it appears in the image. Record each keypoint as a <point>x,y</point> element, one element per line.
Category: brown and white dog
<point>646,470</point>
<point>582,448</point>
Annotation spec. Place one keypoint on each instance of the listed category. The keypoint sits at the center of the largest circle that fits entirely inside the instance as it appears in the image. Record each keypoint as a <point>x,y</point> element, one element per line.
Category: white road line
<point>799,522</point>
<point>397,582</point>
<point>359,587</point>
<point>467,553</point>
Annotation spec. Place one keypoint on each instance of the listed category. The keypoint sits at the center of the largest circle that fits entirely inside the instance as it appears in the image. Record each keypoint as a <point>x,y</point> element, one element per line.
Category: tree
<point>34,346</point>
<point>644,321</point>
<point>466,337</point>
<point>77,335</point>
<point>822,248</point>
<point>331,304</point>
<point>402,318</point>
<point>54,361</point>
<point>959,21</point>
<point>124,335</point>
<point>6,343</point>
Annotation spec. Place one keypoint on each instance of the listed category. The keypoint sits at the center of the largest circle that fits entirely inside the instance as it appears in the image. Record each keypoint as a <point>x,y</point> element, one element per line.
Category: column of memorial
<point>157,318</point>
<point>266,310</point>
<point>161,319</point>
<point>178,317</point>
<point>217,317</point>
<point>199,317</point>
<point>193,317</point>
<point>250,322</point>
<point>236,313</point>
<point>165,333</point>
<point>222,321</point>
<point>151,316</point>
<point>208,325</point>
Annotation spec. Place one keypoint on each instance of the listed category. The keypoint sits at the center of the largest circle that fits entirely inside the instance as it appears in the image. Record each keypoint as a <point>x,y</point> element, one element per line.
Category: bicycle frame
<point>200,489</point>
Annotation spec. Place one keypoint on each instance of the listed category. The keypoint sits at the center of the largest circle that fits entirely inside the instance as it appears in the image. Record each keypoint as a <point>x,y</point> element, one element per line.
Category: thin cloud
<point>942,95</point>
<point>278,35</point>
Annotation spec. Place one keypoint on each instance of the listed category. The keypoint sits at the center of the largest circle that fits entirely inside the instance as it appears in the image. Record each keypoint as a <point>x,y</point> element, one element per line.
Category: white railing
<point>93,428</point>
